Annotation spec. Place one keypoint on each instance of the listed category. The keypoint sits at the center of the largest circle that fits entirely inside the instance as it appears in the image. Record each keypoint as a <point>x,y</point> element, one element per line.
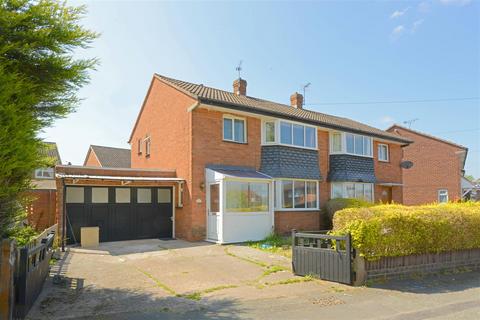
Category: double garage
<point>125,204</point>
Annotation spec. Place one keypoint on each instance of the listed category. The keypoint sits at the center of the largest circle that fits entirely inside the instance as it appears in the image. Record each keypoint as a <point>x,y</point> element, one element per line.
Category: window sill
<point>350,154</point>
<point>287,145</point>
<point>297,209</point>
<point>236,142</point>
<point>384,161</point>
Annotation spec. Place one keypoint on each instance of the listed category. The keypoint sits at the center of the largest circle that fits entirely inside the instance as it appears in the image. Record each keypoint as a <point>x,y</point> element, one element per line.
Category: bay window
<point>246,196</point>
<point>355,190</point>
<point>234,129</point>
<point>349,143</point>
<point>297,194</point>
<point>291,134</point>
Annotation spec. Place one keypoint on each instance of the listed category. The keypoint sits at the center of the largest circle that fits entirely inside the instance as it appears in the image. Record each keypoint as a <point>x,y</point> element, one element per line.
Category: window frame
<point>233,118</point>
<point>439,195</point>
<point>224,205</point>
<point>278,196</point>
<point>139,146</point>
<point>387,152</point>
<point>343,144</point>
<point>42,170</point>
<point>345,192</point>
<point>278,132</point>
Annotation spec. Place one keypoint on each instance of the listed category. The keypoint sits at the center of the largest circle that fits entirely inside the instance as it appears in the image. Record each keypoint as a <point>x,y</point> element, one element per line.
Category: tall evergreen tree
<point>39,80</point>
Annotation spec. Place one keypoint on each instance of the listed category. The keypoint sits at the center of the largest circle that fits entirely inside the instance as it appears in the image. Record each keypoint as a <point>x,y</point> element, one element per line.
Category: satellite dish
<point>406,164</point>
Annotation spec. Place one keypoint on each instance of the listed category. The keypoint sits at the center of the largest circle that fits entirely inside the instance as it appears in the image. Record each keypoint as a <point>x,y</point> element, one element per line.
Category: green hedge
<point>396,230</point>
<point>334,205</point>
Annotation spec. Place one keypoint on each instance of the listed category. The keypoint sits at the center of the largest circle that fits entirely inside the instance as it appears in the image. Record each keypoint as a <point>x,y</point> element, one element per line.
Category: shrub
<point>22,235</point>
<point>334,205</point>
<point>396,230</point>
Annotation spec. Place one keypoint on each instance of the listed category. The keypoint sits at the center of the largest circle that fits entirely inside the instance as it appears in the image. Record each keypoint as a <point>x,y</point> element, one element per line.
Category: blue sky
<point>354,52</point>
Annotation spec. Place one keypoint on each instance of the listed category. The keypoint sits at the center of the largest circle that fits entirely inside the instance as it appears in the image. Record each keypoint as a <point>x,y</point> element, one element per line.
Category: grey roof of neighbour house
<point>290,162</point>
<point>51,151</point>
<point>345,167</point>
<point>231,100</point>
<point>110,157</point>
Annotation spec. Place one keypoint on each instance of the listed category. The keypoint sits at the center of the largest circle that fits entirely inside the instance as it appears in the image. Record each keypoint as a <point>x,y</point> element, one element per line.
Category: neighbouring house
<point>437,169</point>
<point>41,212</point>
<point>469,189</point>
<point>107,157</point>
<point>226,167</point>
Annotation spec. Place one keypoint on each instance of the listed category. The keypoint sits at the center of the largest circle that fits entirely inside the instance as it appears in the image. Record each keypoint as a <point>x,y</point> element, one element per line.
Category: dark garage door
<point>121,213</point>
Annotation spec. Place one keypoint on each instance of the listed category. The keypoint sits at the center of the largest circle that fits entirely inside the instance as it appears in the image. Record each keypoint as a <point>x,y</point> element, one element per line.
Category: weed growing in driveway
<point>290,281</point>
<point>219,288</point>
<point>258,263</point>
<point>157,282</point>
<point>273,269</point>
<point>192,296</point>
<point>197,295</point>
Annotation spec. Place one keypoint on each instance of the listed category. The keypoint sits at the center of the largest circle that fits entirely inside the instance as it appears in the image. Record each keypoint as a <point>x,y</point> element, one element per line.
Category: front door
<point>213,211</point>
<point>386,195</point>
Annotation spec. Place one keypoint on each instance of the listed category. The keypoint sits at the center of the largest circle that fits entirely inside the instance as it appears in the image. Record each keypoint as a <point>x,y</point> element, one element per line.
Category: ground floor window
<point>296,194</point>
<point>442,196</point>
<point>246,196</point>
<point>352,190</point>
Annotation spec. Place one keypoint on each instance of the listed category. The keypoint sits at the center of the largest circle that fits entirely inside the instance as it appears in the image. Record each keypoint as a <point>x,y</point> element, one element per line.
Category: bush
<point>334,205</point>
<point>396,230</point>
<point>22,235</point>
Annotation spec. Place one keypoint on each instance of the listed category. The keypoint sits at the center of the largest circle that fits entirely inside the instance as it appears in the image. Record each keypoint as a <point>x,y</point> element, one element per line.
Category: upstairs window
<point>298,135</point>
<point>336,142</point>
<point>147,146</point>
<point>44,173</point>
<point>383,152</point>
<point>234,129</point>
<point>139,146</point>
<point>358,145</point>
<point>269,131</point>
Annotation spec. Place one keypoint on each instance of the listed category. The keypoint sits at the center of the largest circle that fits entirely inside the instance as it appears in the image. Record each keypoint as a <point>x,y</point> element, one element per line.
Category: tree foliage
<point>39,78</point>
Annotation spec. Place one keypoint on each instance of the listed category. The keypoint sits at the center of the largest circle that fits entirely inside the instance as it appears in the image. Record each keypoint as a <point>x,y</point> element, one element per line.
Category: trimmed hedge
<point>334,205</point>
<point>396,230</point>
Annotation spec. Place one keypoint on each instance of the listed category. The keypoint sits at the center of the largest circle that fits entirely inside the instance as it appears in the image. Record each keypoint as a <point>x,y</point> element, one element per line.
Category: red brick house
<point>251,166</point>
<point>437,167</point>
<point>107,157</point>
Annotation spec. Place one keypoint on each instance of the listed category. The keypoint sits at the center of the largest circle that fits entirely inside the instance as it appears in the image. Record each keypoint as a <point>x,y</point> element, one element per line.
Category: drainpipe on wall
<point>64,214</point>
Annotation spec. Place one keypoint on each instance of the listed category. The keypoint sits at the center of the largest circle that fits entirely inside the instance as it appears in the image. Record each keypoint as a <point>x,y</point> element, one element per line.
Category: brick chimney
<point>296,100</point>
<point>240,87</point>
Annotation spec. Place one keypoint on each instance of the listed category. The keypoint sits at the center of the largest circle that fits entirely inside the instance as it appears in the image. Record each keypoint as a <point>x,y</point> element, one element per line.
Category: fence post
<point>294,231</point>
<point>7,270</point>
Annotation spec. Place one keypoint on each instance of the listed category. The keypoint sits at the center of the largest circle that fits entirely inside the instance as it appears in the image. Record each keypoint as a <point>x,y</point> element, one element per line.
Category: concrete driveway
<point>174,279</point>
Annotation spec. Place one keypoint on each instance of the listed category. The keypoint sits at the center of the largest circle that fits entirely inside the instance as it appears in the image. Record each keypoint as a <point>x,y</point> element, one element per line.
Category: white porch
<point>239,204</point>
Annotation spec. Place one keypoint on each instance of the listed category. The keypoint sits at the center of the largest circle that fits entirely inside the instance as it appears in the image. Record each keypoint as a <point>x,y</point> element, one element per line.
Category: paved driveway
<point>159,279</point>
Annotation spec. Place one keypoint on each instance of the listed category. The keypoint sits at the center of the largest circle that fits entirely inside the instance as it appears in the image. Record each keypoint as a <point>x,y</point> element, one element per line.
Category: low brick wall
<point>404,266</point>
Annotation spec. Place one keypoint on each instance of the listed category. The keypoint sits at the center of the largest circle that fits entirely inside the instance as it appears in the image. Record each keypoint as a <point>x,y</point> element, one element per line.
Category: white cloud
<point>397,32</point>
<point>398,13</point>
<point>455,2</point>
<point>416,25</point>
<point>424,6</point>
<point>387,120</point>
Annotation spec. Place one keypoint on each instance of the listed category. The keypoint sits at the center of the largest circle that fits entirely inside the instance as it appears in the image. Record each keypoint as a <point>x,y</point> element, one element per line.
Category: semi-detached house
<point>252,166</point>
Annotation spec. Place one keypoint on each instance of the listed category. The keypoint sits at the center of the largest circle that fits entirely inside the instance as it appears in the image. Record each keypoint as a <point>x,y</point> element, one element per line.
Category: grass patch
<point>209,290</point>
<point>196,296</point>
<point>274,243</point>
<point>273,269</point>
<point>307,278</point>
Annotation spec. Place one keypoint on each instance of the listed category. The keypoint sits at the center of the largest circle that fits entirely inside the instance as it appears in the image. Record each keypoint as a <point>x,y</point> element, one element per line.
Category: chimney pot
<point>296,100</point>
<point>240,87</point>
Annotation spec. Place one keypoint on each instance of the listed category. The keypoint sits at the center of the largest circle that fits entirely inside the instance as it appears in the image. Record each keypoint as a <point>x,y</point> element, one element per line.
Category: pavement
<point>175,279</point>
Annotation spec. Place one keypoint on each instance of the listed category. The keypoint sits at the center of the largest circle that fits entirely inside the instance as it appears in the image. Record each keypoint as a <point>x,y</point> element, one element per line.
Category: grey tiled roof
<point>51,151</point>
<point>250,104</point>
<point>110,157</point>
<point>290,162</point>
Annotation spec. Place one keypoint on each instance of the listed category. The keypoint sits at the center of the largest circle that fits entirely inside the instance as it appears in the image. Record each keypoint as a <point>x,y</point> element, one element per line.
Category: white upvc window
<point>246,196</point>
<point>44,173</point>
<point>354,190</point>
<point>148,143</point>
<point>442,196</point>
<point>296,195</point>
<point>350,143</point>
<point>383,152</point>
<point>234,129</point>
<point>289,133</point>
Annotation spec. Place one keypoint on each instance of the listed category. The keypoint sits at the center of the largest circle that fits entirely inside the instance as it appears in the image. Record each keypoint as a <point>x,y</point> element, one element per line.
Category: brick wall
<point>436,165</point>
<point>42,211</point>
<point>92,160</point>
<point>165,119</point>
<point>389,172</point>
<point>285,221</point>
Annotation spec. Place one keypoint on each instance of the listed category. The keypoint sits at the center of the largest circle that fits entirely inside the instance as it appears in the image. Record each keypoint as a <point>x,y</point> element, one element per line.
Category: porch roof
<point>239,172</point>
